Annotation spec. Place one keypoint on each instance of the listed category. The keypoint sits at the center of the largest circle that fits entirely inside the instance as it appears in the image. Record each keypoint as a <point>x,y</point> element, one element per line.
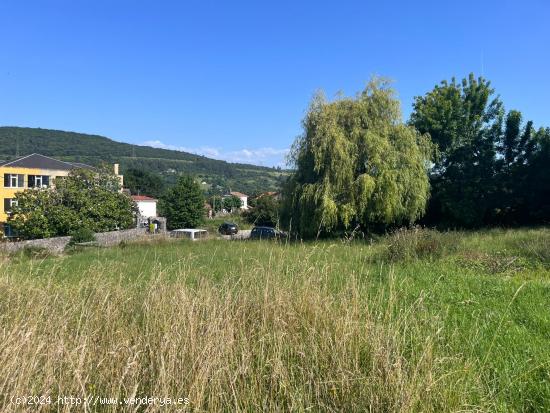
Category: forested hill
<point>94,149</point>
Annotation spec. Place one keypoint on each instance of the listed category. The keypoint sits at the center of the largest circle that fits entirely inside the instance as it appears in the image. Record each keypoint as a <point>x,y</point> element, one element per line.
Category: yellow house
<point>31,171</point>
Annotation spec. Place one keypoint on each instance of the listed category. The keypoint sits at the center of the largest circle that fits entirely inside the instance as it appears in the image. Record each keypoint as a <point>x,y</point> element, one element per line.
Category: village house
<point>241,196</point>
<point>32,171</point>
<point>147,210</point>
<point>147,206</point>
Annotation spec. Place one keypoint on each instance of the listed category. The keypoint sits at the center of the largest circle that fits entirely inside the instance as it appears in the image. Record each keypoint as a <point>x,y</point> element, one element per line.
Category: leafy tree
<point>484,158</point>
<point>465,124</point>
<point>84,198</point>
<point>515,150</point>
<point>216,202</point>
<point>231,203</point>
<point>81,235</point>
<point>40,213</point>
<point>535,187</point>
<point>183,204</point>
<point>356,163</point>
<point>142,182</point>
<point>263,211</point>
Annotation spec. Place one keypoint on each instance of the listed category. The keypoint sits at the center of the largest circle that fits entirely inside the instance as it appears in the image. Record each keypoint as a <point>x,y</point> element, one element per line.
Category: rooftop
<point>142,198</point>
<point>38,161</point>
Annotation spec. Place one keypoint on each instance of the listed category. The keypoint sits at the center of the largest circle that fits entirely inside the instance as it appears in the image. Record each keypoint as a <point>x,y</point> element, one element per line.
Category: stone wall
<point>58,244</point>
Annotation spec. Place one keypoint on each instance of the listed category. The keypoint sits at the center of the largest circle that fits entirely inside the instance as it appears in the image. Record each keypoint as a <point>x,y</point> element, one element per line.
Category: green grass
<point>419,321</point>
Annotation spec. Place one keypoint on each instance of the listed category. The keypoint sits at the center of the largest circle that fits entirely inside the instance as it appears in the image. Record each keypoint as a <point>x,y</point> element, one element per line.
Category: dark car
<point>228,228</point>
<point>266,233</point>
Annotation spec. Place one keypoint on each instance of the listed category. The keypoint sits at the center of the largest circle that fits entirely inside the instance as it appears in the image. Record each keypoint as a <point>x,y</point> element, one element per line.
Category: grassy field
<point>415,322</point>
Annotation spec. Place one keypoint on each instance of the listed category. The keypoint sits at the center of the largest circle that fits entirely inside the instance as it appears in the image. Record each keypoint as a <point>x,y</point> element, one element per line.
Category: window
<point>39,181</point>
<point>14,180</point>
<point>9,203</point>
<point>8,231</point>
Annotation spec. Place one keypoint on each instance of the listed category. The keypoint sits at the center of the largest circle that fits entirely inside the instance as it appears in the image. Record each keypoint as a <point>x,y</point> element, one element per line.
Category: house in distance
<point>32,171</point>
<point>147,206</point>
<point>241,196</point>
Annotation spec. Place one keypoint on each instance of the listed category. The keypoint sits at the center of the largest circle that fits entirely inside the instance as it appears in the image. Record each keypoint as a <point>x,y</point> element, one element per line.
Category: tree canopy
<point>356,163</point>
<point>183,204</point>
<point>142,182</point>
<point>231,203</point>
<point>263,210</point>
<point>83,199</point>
<point>486,157</point>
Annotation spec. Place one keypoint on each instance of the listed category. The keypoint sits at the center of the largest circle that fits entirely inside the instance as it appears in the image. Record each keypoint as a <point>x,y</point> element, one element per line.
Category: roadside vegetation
<point>416,321</point>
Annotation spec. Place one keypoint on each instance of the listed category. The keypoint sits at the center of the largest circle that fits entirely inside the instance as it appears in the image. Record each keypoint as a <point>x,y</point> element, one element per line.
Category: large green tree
<point>216,201</point>
<point>263,210</point>
<point>356,163</point>
<point>142,182</point>
<point>485,156</point>
<point>231,203</point>
<point>535,186</point>
<point>85,198</point>
<point>183,204</point>
<point>464,122</point>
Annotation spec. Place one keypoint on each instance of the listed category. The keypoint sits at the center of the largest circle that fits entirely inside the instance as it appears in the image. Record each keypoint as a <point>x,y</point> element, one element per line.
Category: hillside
<point>94,149</point>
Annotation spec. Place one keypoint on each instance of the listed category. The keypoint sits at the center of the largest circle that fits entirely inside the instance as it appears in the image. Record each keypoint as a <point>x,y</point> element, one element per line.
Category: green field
<point>420,321</point>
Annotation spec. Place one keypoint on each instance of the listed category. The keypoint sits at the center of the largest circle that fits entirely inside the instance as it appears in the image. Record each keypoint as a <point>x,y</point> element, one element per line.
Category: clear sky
<point>232,79</point>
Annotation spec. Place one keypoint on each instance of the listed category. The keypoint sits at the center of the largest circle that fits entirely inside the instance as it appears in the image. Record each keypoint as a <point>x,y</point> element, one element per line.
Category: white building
<point>147,206</point>
<point>242,197</point>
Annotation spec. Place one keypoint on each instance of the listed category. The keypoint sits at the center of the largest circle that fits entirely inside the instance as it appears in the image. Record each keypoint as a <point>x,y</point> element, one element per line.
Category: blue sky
<point>232,80</point>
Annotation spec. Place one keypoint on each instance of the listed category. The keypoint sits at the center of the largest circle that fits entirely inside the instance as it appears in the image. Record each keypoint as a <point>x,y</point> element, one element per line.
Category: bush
<point>419,243</point>
<point>81,235</point>
<point>263,211</point>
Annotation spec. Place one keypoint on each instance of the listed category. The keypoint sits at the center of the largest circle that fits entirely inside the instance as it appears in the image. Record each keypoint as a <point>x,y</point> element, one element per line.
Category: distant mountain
<point>93,149</point>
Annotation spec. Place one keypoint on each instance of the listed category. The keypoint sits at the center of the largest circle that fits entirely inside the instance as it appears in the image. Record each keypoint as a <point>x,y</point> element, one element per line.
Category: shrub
<point>419,243</point>
<point>264,211</point>
<point>83,234</point>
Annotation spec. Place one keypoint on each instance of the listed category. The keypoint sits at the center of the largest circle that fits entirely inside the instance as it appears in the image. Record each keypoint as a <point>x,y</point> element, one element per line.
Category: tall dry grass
<point>268,340</point>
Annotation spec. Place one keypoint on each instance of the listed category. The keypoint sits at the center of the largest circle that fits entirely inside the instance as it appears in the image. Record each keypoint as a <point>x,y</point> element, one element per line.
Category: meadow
<point>417,321</point>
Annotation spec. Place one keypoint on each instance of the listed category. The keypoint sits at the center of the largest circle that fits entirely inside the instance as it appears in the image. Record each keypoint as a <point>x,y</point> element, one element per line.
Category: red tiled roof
<point>142,198</point>
<point>239,194</point>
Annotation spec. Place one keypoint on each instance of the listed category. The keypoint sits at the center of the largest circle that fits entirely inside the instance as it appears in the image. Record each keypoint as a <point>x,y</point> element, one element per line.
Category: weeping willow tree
<point>356,163</point>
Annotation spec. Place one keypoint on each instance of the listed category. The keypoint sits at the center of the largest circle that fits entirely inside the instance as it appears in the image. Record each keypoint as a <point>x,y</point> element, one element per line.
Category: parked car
<point>190,233</point>
<point>228,228</point>
<point>266,233</point>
